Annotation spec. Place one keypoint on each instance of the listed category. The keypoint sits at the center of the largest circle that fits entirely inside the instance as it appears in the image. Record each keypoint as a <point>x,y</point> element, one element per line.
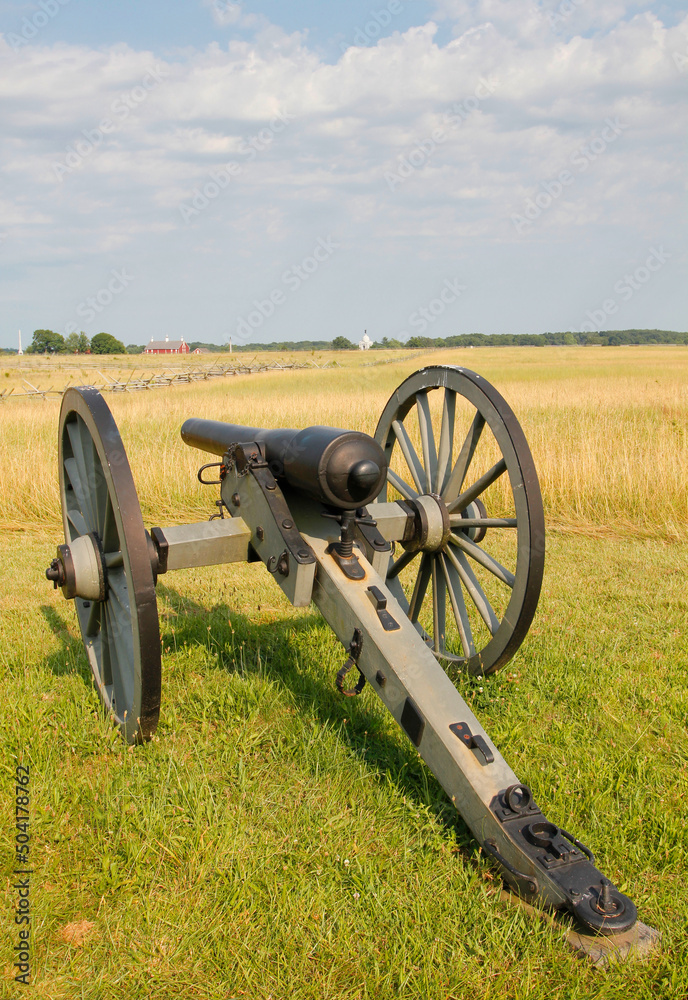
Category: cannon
<point>422,547</point>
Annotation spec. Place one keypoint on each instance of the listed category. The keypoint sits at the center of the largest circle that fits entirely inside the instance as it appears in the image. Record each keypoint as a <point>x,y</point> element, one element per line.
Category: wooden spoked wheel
<point>120,631</point>
<point>457,453</point>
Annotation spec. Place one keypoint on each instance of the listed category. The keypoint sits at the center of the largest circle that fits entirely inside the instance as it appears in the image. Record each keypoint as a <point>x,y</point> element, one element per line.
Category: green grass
<point>212,863</point>
<point>275,840</point>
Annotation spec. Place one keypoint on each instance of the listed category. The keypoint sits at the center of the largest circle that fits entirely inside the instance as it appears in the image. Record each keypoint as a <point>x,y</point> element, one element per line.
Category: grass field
<point>275,840</point>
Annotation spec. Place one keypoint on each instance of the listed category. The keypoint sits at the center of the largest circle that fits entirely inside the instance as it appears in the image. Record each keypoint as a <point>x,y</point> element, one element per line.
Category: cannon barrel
<point>345,469</point>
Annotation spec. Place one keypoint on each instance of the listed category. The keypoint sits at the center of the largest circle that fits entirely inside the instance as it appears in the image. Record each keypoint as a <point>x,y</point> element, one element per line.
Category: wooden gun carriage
<point>414,588</point>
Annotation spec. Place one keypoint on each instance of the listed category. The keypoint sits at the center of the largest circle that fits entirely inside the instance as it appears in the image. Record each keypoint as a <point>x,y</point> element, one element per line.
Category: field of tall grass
<point>608,428</point>
<point>275,841</point>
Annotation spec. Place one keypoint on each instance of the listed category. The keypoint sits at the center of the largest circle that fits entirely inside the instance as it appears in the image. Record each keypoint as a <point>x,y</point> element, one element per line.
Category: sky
<point>270,171</point>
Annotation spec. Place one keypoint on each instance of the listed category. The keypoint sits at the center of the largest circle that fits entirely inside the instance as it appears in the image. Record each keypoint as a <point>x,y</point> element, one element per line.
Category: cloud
<point>346,125</point>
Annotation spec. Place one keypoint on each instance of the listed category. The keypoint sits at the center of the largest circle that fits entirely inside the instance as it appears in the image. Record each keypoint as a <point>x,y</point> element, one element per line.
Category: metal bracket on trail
<point>467,529</point>
<point>355,648</point>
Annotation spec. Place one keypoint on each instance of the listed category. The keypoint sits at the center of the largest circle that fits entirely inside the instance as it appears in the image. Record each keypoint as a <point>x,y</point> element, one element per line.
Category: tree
<point>387,344</point>
<point>46,342</point>
<point>138,349</point>
<point>77,343</point>
<point>105,343</point>
<point>342,344</point>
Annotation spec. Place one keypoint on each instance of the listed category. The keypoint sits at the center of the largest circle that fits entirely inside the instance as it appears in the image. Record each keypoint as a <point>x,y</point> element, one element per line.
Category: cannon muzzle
<point>345,469</point>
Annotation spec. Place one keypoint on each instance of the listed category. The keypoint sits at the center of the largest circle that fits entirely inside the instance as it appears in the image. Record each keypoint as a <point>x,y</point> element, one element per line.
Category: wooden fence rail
<point>136,381</point>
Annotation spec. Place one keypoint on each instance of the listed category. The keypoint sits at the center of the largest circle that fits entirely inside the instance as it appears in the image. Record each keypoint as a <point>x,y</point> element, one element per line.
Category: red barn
<point>166,346</point>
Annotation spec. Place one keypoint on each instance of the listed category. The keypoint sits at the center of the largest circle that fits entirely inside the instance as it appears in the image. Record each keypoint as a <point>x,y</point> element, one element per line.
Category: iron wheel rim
<point>445,572</point>
<point>121,633</point>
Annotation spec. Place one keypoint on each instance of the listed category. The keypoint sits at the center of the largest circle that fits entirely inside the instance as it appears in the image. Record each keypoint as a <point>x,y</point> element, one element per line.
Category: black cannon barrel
<point>345,469</point>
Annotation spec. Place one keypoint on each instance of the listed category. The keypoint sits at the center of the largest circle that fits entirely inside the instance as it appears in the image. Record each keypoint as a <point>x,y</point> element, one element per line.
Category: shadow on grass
<point>273,650</point>
<point>70,658</point>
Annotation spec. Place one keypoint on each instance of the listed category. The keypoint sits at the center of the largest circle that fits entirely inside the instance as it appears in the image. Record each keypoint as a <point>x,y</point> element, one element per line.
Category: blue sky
<point>268,171</point>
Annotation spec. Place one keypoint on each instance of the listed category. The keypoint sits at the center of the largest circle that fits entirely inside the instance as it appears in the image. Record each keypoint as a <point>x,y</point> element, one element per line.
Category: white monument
<point>366,343</point>
<point>20,346</point>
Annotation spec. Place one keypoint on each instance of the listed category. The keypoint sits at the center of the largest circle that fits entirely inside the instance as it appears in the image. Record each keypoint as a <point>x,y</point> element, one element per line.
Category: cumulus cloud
<point>102,148</point>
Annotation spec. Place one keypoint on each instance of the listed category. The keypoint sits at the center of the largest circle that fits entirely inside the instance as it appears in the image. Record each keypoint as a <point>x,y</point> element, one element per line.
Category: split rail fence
<point>164,379</point>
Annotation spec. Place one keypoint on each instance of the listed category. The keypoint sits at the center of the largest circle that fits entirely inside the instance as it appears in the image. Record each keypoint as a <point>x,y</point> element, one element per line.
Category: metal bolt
<point>380,679</point>
<point>260,532</point>
<point>286,523</point>
<point>236,499</point>
<point>606,901</point>
<point>304,553</point>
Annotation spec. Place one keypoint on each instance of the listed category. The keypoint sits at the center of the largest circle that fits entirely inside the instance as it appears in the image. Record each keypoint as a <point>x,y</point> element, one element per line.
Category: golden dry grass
<point>608,428</point>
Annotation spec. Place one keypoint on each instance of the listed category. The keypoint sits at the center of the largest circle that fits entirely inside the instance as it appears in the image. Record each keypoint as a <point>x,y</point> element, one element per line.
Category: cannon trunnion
<point>443,573</point>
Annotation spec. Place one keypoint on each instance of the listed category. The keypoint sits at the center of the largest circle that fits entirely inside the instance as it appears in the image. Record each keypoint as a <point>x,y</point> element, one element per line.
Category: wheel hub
<point>432,527</point>
<point>79,569</point>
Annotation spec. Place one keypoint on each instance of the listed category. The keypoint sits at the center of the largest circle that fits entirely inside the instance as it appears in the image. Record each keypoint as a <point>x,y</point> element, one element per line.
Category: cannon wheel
<point>120,633</point>
<point>486,638</point>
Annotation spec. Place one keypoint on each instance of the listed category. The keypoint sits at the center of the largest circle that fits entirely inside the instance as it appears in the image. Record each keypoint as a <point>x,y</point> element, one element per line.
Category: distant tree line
<point>607,338</point>
<point>610,338</point>
<point>49,342</point>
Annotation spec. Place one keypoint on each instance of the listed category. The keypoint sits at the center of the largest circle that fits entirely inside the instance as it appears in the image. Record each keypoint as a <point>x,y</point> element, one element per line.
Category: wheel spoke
<point>93,622</point>
<point>105,640</point>
<point>470,581</point>
<point>117,586</point>
<point>401,486</point>
<point>482,557</point>
<point>80,493</point>
<point>110,535</point>
<point>427,440</point>
<point>439,607</point>
<point>453,486</point>
<point>101,497</point>
<point>409,453</point>
<point>400,563</point>
<point>458,604</point>
<point>478,487</point>
<point>80,471</point>
<point>77,519</point>
<point>459,521</point>
<point>444,453</point>
<point>420,588</point>
<point>120,668</point>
